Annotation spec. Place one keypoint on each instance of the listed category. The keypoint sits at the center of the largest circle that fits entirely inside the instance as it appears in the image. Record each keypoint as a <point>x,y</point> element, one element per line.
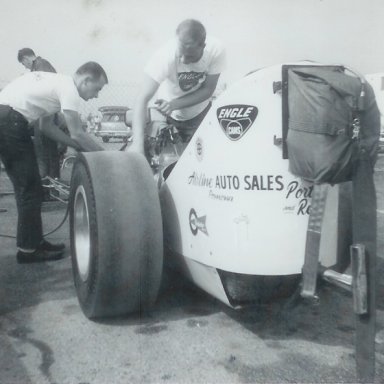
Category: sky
<point>122,34</point>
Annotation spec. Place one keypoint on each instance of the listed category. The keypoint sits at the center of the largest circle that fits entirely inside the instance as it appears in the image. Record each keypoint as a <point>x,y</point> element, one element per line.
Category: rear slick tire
<point>116,233</point>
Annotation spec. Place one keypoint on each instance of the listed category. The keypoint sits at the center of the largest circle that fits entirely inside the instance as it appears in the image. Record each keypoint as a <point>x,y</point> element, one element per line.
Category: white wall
<point>121,34</point>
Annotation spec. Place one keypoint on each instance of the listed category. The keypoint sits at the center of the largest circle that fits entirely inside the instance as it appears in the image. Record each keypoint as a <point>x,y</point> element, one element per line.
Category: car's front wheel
<point>116,233</point>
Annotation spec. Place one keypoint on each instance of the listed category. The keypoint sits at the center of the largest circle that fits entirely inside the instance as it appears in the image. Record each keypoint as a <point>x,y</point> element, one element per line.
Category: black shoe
<point>38,256</point>
<point>49,247</point>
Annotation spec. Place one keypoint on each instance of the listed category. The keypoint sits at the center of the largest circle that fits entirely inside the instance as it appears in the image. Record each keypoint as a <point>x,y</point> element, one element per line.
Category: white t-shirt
<point>178,79</point>
<point>38,94</point>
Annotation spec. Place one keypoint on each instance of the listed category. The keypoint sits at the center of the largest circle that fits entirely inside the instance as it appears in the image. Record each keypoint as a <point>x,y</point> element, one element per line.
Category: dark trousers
<point>19,159</point>
<point>187,128</point>
<point>47,154</point>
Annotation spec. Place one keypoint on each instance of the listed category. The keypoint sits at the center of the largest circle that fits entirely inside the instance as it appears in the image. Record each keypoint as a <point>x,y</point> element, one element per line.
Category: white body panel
<point>232,204</point>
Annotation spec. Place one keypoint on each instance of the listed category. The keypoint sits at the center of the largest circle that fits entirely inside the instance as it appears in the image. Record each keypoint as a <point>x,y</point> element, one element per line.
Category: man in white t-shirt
<point>31,97</point>
<point>188,69</point>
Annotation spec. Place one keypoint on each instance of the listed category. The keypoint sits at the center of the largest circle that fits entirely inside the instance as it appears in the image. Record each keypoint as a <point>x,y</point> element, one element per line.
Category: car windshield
<point>113,117</point>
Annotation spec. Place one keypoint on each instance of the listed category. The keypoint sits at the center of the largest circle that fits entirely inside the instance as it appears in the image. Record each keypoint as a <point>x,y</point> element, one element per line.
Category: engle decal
<point>189,80</point>
<point>236,119</point>
<point>197,223</point>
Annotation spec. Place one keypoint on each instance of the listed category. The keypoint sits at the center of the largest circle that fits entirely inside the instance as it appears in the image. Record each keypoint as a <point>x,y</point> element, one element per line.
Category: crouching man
<point>34,96</point>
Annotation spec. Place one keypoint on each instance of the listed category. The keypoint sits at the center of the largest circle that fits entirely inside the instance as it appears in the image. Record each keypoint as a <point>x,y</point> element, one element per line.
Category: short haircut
<point>24,52</point>
<point>194,29</point>
<point>94,69</point>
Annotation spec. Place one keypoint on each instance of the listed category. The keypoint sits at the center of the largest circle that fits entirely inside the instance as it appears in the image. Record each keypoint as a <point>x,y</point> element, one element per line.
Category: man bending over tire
<point>188,68</point>
<point>34,96</point>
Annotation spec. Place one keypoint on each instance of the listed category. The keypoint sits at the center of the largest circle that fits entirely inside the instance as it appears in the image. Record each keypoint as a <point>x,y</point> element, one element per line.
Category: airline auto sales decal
<point>236,119</point>
<point>297,195</point>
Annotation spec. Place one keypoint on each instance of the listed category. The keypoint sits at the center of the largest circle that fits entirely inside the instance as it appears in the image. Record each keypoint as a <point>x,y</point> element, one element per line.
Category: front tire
<point>116,233</point>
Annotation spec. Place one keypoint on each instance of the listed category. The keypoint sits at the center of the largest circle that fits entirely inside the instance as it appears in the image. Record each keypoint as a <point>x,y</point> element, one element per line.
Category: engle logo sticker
<point>236,119</point>
<point>188,80</point>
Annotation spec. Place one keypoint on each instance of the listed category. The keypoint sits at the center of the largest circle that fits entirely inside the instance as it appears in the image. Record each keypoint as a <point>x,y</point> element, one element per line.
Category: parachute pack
<point>333,118</point>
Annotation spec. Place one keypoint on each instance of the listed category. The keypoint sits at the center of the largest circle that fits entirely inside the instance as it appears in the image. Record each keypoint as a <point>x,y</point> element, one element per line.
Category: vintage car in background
<point>113,124</point>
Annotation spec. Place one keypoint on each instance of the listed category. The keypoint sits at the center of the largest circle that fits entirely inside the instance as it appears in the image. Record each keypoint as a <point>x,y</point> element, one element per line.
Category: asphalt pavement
<point>188,337</point>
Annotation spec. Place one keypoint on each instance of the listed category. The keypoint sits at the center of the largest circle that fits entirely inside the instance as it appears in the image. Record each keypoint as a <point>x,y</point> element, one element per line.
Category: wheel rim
<point>82,233</point>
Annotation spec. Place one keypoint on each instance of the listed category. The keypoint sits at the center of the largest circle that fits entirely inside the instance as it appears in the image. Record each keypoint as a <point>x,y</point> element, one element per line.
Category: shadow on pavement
<point>26,285</point>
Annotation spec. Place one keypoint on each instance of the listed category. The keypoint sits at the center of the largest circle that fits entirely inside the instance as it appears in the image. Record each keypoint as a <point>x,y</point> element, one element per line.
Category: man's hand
<point>82,139</point>
<point>86,143</point>
<point>51,130</point>
<point>164,107</point>
<point>76,146</point>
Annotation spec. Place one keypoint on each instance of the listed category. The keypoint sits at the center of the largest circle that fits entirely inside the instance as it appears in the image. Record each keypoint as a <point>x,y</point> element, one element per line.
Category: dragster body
<point>230,205</point>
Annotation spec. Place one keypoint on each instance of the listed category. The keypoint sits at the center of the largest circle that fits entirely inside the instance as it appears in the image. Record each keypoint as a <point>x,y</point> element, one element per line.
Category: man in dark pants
<point>47,153</point>
<point>37,96</point>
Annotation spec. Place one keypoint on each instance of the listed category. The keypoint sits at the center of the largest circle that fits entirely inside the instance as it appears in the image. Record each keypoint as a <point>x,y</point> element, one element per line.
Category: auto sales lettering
<point>236,119</point>
<point>219,186</point>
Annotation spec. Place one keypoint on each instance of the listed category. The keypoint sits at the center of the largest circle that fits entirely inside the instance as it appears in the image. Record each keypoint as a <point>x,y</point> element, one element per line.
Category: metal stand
<point>362,280</point>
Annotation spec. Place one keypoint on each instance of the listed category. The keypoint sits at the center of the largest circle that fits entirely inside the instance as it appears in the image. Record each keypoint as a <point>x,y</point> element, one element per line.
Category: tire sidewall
<point>125,233</point>
<point>85,289</point>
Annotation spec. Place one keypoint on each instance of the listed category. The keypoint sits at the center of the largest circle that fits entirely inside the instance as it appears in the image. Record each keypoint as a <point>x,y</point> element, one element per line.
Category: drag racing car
<point>227,209</point>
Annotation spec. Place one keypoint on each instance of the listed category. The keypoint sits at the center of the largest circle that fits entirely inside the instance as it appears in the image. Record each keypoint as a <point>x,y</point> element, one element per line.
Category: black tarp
<point>322,104</point>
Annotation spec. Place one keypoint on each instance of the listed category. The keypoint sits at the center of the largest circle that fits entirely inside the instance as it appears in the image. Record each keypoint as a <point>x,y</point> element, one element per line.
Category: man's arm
<point>140,112</point>
<point>190,99</point>
<point>49,129</point>
<point>83,139</point>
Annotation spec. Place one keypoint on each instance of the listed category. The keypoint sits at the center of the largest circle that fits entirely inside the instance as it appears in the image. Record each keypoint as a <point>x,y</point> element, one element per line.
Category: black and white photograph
<point>191,192</point>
